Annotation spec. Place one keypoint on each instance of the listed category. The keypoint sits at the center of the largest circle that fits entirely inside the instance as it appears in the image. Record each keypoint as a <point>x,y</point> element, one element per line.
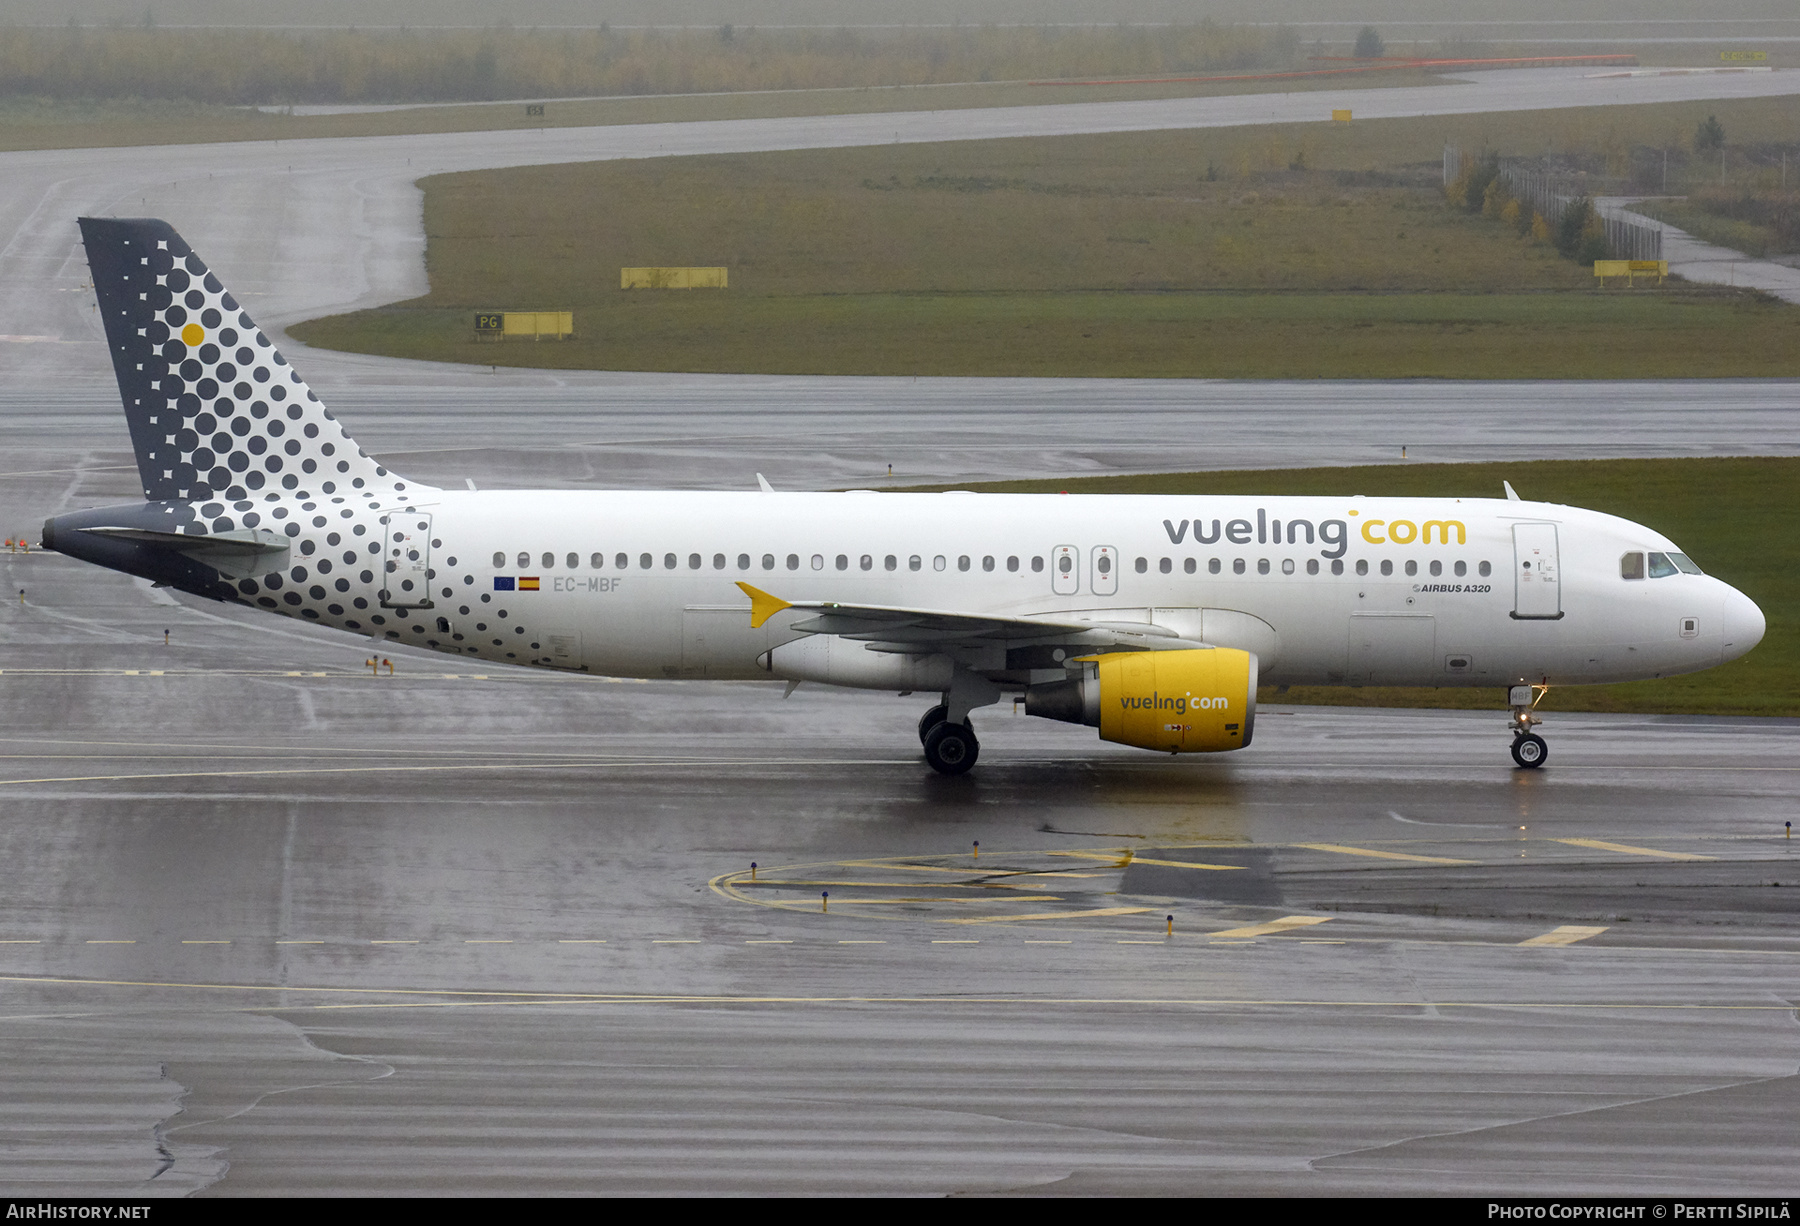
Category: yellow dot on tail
<point>192,335</point>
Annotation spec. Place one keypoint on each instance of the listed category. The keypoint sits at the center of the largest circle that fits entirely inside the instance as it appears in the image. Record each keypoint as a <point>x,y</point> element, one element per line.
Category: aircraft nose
<point>1742,622</point>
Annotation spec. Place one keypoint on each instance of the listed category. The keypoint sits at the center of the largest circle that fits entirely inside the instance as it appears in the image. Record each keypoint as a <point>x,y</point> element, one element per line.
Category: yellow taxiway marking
<point>1381,855</point>
<point>1568,934</point>
<point>1285,924</point>
<point>1119,859</point>
<point>1187,864</point>
<point>1049,915</point>
<point>1628,849</point>
<point>890,885</point>
<point>20,941</point>
<point>896,902</point>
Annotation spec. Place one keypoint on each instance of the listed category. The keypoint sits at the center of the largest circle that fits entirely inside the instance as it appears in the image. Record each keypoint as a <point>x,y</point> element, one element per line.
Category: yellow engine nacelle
<point>1201,700</point>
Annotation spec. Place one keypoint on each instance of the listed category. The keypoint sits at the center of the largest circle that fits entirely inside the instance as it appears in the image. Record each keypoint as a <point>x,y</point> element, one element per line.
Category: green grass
<point>1675,334</point>
<point>1201,254</point>
<point>1748,237</point>
<point>1735,517</point>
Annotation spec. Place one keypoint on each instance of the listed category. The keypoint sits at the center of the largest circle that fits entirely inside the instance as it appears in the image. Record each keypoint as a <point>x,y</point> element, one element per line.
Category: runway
<point>273,924</point>
<point>316,226</point>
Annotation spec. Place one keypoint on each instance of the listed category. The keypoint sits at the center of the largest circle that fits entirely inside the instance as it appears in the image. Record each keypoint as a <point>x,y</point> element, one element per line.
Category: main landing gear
<point>1528,748</point>
<point>950,749</point>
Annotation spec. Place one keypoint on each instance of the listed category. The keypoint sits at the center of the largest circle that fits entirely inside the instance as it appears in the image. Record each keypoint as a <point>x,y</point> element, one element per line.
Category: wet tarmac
<point>276,924</point>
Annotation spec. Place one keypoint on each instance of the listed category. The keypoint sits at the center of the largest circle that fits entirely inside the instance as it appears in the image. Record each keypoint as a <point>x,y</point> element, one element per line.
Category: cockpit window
<point>1685,563</point>
<point>1631,566</point>
<point>1661,567</point>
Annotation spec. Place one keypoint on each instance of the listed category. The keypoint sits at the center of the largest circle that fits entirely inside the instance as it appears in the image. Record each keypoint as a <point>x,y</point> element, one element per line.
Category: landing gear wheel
<point>951,749</point>
<point>930,720</point>
<point>1529,751</point>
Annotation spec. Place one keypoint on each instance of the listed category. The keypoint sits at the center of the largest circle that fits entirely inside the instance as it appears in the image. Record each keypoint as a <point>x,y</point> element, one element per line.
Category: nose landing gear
<point>1528,748</point>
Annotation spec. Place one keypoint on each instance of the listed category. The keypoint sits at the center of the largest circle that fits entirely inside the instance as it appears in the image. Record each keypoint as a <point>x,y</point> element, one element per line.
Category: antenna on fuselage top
<point>1512,495</point>
<point>762,483</point>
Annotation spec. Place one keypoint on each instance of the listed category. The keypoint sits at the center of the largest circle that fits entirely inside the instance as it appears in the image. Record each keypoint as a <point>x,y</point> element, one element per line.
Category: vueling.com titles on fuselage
<point>1178,704</point>
<point>1332,533</point>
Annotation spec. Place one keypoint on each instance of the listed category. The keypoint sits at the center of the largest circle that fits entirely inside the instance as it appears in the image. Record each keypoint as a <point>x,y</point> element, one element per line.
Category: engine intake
<point>1201,700</point>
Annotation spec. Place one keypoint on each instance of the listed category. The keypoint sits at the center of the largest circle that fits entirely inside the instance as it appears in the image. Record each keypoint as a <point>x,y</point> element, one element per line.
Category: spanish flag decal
<point>528,583</point>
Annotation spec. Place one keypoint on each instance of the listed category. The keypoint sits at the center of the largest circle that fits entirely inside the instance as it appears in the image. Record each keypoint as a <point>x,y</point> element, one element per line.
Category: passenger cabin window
<point>1143,564</point>
<point>768,561</point>
<point>669,561</point>
<point>1387,567</point>
<point>622,561</point>
<point>890,562</point>
<point>1661,567</point>
<point>693,561</point>
<point>1037,564</point>
<point>1165,566</point>
<point>598,561</point>
<point>744,561</point>
<point>1312,566</point>
<point>1337,566</point>
<point>1631,566</point>
<point>1362,566</point>
<point>718,561</point>
<point>1287,566</point>
<point>1412,568</point>
<point>645,561</point>
<point>793,561</point>
<point>938,563</point>
<point>1012,565</point>
<point>524,561</point>
<point>499,560</point>
<point>1484,570</point>
<point>1461,568</point>
<point>574,561</point>
<point>914,562</point>
<point>962,562</point>
<point>1237,566</point>
<point>987,562</point>
<point>1212,566</point>
<point>549,561</point>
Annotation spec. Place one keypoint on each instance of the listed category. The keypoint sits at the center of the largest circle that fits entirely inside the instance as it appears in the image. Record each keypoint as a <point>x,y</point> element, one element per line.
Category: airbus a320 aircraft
<point>1153,618</point>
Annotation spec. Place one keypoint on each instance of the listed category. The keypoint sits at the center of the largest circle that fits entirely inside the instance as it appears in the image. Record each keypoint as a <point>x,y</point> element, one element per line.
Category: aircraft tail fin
<point>215,410</point>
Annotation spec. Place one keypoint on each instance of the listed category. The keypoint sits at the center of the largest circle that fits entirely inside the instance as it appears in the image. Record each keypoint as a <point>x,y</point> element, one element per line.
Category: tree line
<point>274,67</point>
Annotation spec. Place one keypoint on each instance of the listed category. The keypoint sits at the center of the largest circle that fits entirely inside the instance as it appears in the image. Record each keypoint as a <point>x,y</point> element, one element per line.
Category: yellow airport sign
<point>1341,116</point>
<point>1631,270</point>
<point>1734,56</point>
<point>521,325</point>
<point>671,278</point>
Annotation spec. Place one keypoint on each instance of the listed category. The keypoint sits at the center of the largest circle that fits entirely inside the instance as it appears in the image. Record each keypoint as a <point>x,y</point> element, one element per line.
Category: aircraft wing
<point>892,628</point>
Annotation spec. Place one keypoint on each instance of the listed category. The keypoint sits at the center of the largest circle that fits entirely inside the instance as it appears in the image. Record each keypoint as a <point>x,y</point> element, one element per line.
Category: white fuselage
<point>645,584</point>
